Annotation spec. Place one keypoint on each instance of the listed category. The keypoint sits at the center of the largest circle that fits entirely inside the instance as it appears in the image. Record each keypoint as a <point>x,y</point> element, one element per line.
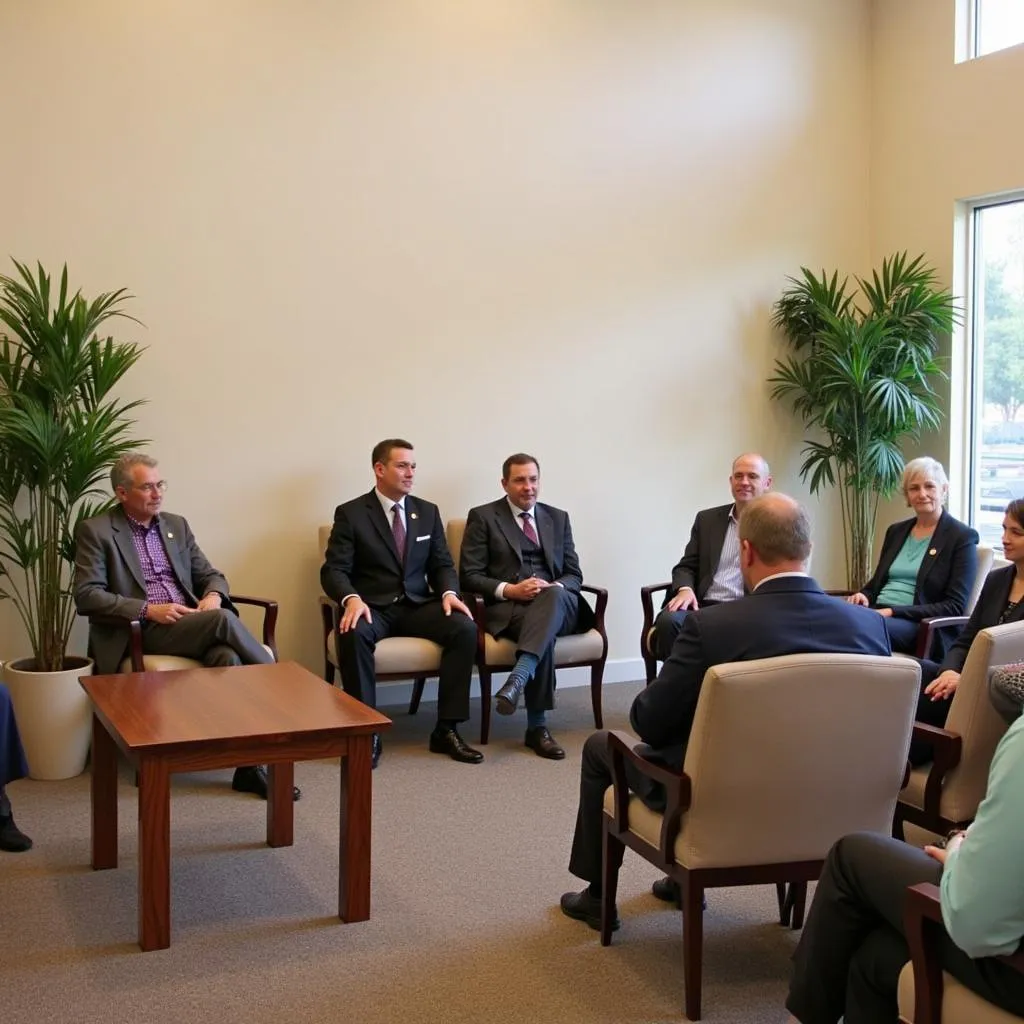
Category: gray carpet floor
<point>468,865</point>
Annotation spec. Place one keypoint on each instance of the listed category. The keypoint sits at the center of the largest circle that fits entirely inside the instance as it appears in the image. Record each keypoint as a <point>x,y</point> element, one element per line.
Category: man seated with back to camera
<point>785,612</point>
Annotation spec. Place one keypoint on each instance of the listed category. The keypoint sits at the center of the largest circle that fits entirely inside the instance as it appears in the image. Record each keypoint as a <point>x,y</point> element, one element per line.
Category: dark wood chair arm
<point>924,927</point>
<point>928,629</point>
<point>922,922</point>
<point>947,748</point>
<point>600,604</point>
<point>647,601</point>
<point>677,793</point>
<point>134,627</point>
<point>269,617</point>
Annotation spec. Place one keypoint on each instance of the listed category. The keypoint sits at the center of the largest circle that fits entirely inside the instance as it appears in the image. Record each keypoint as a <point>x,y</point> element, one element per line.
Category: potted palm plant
<point>862,375</point>
<point>60,429</point>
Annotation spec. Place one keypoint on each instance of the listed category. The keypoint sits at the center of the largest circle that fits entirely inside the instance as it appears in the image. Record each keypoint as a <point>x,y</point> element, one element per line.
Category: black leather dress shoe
<point>667,889</point>
<point>12,839</point>
<point>581,906</point>
<point>253,779</point>
<point>507,700</point>
<point>542,742</point>
<point>376,749</point>
<point>448,741</point>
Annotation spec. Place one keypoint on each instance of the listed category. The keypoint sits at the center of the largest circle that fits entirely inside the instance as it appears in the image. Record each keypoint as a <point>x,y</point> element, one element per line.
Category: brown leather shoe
<point>543,743</point>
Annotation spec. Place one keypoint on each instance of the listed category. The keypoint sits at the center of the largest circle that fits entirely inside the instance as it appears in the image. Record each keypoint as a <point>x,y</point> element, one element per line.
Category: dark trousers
<point>902,635</point>
<point>218,638</point>
<point>595,778</point>
<point>13,765</point>
<point>931,712</point>
<point>853,948</point>
<point>455,634</point>
<point>534,626</point>
<point>666,628</point>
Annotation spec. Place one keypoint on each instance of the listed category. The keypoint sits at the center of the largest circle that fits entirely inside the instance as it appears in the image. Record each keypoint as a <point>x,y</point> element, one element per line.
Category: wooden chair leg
<point>781,895</point>
<point>417,694</point>
<point>693,942</point>
<point>596,679</point>
<point>328,671</point>
<point>650,666</point>
<point>798,900</point>
<point>612,851</point>
<point>485,705</point>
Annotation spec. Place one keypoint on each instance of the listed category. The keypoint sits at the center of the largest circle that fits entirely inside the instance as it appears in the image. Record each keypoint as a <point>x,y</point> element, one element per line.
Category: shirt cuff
<point>499,591</point>
<point>348,597</point>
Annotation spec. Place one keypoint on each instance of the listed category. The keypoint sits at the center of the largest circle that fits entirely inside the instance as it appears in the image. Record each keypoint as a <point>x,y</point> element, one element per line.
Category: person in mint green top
<point>927,564</point>
<point>853,947</point>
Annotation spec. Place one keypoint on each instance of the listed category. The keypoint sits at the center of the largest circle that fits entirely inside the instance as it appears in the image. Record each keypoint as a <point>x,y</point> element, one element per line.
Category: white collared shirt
<point>727,583</point>
<point>779,576</point>
<point>391,508</point>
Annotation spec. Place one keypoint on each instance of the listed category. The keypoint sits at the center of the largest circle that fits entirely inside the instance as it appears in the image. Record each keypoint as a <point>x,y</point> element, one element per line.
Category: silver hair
<point>927,467</point>
<point>121,471</point>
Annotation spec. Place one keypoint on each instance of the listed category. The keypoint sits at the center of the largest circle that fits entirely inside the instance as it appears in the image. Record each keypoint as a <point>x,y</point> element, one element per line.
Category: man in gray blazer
<point>519,555</point>
<point>137,562</point>
<point>709,570</point>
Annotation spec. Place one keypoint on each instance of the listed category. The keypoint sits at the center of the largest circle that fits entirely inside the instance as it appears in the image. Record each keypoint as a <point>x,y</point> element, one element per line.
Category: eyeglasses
<point>158,488</point>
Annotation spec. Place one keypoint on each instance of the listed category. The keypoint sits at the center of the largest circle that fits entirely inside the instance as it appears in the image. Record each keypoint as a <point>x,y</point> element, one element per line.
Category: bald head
<point>775,536</point>
<point>750,478</point>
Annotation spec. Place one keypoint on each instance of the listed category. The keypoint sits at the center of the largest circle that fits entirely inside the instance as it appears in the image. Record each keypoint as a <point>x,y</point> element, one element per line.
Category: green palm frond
<point>862,378</point>
<point>61,427</point>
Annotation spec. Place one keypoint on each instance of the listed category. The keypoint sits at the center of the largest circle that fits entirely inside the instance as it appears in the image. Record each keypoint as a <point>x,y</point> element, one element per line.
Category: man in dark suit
<point>138,562</point>
<point>786,612</point>
<point>12,767</point>
<point>388,566</point>
<point>519,555</point>
<point>709,571</point>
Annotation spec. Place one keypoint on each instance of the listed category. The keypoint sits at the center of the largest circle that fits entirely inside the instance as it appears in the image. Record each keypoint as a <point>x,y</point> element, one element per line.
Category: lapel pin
<point>412,515</point>
<point>170,536</point>
<point>932,552</point>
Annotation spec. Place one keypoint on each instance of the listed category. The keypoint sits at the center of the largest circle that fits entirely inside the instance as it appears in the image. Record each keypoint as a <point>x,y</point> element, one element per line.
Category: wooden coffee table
<point>203,718</point>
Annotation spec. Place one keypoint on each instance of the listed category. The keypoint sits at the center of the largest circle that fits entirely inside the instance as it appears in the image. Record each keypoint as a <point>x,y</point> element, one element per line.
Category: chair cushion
<point>575,647</point>
<point>959,1004</point>
<point>400,654</point>
<point>169,662</point>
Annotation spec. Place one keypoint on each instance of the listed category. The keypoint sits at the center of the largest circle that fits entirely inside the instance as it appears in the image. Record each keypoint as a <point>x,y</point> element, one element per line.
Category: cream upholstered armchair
<point>944,794</point>
<point>927,994</point>
<point>396,658</point>
<point>137,661</point>
<point>786,755</point>
<point>587,650</point>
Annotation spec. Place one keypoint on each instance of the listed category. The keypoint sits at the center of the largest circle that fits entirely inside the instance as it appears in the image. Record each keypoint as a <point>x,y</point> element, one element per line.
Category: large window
<point>997,329</point>
<point>997,24</point>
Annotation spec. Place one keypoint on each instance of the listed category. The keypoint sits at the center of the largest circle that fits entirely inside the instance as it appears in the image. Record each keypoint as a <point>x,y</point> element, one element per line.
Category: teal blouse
<point>901,583</point>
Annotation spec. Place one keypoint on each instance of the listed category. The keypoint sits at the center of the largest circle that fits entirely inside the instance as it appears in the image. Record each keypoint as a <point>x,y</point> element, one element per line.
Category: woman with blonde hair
<point>927,563</point>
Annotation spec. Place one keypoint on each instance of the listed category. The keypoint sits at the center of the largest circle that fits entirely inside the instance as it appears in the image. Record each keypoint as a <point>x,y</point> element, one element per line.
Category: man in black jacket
<point>785,612</point>
<point>388,566</point>
<point>709,571</point>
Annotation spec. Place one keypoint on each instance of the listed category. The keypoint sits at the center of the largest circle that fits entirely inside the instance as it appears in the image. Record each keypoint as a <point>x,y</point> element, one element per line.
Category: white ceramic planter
<point>54,717</point>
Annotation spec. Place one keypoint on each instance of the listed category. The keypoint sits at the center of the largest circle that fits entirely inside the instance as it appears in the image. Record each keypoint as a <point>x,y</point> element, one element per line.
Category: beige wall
<point>941,133</point>
<point>531,224</point>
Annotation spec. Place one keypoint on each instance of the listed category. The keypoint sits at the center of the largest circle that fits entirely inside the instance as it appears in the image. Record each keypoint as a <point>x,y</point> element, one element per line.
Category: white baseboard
<point>620,670</point>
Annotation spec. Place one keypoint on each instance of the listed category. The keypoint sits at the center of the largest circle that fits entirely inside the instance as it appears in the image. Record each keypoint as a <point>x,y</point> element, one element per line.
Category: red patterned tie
<point>398,531</point>
<point>531,533</point>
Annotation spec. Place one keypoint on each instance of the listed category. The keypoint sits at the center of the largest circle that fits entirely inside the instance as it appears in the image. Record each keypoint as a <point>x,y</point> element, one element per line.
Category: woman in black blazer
<point>1000,601</point>
<point>944,550</point>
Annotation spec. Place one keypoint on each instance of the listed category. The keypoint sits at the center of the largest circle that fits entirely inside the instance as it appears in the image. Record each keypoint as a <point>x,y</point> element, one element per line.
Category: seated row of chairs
<point>400,658</point>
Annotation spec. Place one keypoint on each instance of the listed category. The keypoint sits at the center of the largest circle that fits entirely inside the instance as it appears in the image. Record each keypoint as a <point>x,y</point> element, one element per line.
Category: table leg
<point>280,804</point>
<point>154,854</point>
<point>104,797</point>
<point>354,861</point>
